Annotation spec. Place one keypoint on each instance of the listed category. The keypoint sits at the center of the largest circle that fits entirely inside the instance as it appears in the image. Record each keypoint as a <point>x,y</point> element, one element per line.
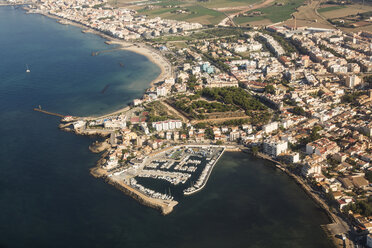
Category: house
<point>234,135</point>
<point>309,170</point>
<point>339,157</point>
<point>312,165</point>
<point>346,182</point>
<point>344,202</point>
<point>359,182</point>
<point>322,147</point>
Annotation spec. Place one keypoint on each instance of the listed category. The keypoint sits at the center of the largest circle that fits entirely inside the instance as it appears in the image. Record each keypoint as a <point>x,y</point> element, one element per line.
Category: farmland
<point>250,12</point>
<point>194,13</point>
<point>330,8</point>
<point>343,11</point>
<point>205,12</point>
<point>280,11</point>
<point>351,18</point>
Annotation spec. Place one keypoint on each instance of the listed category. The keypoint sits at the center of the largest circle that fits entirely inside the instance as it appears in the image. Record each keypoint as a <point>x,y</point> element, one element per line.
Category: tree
<point>200,125</point>
<point>299,111</point>
<point>368,80</point>
<point>361,207</point>
<point>270,89</point>
<point>178,81</point>
<point>369,176</point>
<point>255,150</point>
<point>351,97</point>
<point>192,79</point>
<point>314,135</point>
<point>209,133</point>
<point>232,95</point>
<point>320,93</point>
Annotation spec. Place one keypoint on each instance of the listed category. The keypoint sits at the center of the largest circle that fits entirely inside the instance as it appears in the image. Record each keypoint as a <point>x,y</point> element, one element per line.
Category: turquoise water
<point>48,198</point>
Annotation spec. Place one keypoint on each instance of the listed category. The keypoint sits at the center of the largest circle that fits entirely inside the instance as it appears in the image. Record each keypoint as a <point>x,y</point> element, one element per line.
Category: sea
<point>49,199</point>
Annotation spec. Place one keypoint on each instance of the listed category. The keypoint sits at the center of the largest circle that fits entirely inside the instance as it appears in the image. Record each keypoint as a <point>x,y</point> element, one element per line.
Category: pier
<point>104,51</point>
<point>49,113</point>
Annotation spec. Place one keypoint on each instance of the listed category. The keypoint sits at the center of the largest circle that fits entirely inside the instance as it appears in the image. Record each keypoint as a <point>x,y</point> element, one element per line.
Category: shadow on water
<point>105,88</point>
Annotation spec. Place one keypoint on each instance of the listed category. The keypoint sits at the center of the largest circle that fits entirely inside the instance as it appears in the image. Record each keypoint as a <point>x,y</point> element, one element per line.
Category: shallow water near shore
<point>49,199</point>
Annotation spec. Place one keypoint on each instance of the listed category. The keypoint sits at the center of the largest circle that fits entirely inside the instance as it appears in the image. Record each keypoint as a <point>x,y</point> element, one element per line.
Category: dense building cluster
<point>119,22</point>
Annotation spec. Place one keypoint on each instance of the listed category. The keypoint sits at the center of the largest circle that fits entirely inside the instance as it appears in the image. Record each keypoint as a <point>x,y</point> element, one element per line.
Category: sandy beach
<point>153,55</point>
<point>150,53</point>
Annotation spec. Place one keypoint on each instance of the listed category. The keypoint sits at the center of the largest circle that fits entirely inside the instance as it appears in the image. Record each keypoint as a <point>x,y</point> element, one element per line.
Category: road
<point>230,17</point>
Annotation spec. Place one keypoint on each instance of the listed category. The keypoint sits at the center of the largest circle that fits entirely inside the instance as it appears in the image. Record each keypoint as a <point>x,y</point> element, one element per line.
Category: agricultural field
<point>343,11</point>
<point>225,4</point>
<point>194,13</point>
<point>330,8</point>
<point>202,11</point>
<point>244,20</point>
<point>312,13</point>
<point>307,15</point>
<point>352,18</point>
<point>277,12</point>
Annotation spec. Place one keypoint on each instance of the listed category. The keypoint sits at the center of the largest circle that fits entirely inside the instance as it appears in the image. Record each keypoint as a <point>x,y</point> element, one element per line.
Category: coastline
<point>333,218</point>
<point>166,70</point>
<point>150,53</point>
<point>165,206</point>
<point>156,58</point>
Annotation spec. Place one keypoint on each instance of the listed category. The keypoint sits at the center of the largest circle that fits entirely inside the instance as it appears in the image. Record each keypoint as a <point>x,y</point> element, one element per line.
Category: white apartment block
<point>274,148</point>
<point>268,128</point>
<point>167,125</point>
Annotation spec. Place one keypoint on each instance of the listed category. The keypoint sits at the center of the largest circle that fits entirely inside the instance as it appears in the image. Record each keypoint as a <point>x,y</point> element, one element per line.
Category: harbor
<point>186,166</point>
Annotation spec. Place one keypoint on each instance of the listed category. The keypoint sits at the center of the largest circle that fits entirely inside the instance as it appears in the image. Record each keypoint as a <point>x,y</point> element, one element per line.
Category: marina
<point>179,166</point>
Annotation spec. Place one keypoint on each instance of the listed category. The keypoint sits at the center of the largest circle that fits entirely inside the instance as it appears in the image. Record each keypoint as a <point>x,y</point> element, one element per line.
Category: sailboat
<point>27,69</point>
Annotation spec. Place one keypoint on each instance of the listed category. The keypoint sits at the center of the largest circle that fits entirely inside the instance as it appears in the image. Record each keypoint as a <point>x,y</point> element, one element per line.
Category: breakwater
<point>164,206</point>
<point>49,113</point>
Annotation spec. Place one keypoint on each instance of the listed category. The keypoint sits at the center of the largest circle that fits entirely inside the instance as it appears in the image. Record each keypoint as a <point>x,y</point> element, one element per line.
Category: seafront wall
<point>164,206</point>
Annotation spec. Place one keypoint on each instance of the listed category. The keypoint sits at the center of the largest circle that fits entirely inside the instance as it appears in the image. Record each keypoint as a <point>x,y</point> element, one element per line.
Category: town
<point>299,96</point>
